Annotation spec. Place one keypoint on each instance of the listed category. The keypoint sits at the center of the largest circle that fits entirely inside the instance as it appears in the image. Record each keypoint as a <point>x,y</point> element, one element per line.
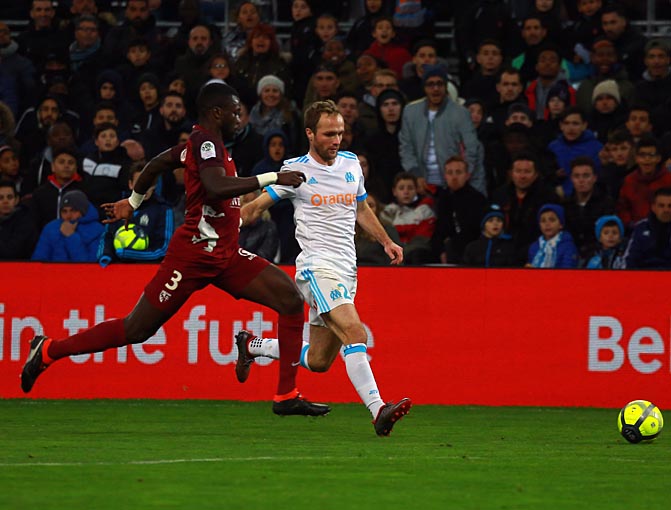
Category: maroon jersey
<point>211,226</point>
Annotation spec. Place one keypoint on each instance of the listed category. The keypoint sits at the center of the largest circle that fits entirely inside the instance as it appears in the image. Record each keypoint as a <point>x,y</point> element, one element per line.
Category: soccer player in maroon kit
<point>203,251</point>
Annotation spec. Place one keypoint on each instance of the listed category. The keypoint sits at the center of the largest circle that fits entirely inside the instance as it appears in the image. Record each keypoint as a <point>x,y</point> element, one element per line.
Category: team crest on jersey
<point>349,177</point>
<point>144,220</point>
<point>207,150</point>
<point>164,296</point>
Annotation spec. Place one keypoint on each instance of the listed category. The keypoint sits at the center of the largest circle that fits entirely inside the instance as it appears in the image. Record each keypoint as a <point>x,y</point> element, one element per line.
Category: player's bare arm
<point>252,211</point>
<point>367,219</point>
<point>123,209</point>
<point>222,186</point>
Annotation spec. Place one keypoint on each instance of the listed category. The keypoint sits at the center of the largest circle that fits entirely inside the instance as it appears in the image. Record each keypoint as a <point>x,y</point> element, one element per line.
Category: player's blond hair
<point>315,111</point>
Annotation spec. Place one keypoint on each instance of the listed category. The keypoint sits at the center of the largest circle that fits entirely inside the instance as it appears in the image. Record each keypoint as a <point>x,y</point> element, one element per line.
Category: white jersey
<point>325,210</point>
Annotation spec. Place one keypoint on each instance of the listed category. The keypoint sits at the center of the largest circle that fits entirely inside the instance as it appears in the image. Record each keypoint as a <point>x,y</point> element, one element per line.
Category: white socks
<point>268,347</point>
<point>361,376</point>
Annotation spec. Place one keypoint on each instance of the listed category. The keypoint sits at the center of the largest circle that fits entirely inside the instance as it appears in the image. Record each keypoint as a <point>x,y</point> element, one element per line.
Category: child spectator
<point>610,247</point>
<point>575,140</point>
<point>18,232</point>
<point>459,208</point>
<point>368,251</point>
<point>282,213</point>
<point>360,36</point>
<point>558,100</point>
<point>633,203</point>
<point>45,202</point>
<point>326,29</point>
<point>494,248</point>
<point>147,110</point>
<point>137,63</point>
<point>222,67</point>
<point>413,217</point>
<point>618,161</point>
<point>9,167</point>
<point>259,237</point>
<point>74,236</point>
<point>154,217</point>
<point>106,169</point>
<point>554,248</point>
<point>385,49</point>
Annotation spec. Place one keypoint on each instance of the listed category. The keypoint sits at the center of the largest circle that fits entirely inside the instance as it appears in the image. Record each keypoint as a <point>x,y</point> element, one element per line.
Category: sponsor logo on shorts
<point>335,295</point>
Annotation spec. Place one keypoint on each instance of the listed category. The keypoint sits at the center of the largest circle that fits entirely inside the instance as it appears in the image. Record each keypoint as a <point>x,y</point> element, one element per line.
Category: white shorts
<point>323,291</point>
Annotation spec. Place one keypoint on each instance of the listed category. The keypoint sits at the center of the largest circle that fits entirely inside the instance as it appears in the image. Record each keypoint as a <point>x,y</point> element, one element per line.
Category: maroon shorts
<point>177,278</point>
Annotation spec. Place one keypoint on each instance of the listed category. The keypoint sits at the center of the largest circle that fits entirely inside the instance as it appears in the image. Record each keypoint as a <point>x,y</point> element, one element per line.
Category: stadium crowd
<point>538,136</point>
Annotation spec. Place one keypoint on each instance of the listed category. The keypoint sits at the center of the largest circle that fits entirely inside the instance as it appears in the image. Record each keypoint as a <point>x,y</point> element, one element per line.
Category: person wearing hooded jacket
<point>73,237</point>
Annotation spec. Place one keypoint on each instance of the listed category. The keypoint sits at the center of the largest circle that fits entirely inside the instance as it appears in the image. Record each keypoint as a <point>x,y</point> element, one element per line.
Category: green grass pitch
<point>101,454</point>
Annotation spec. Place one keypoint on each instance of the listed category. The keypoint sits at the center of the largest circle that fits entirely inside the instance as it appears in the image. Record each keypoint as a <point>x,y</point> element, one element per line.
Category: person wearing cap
<point>653,88</point>
<point>606,65</point>
<point>18,232</point>
<point>494,248</point>
<point>558,99</point>
<point>435,128</point>
<point>554,249</point>
<point>74,236</point>
<point>608,112</point>
<point>609,249</point>
<point>275,111</point>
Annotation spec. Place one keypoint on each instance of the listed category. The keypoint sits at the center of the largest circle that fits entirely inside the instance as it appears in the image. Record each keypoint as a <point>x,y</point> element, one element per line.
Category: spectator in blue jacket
<point>74,237</point>
<point>575,140</point>
<point>154,217</point>
<point>555,247</point>
<point>650,244</point>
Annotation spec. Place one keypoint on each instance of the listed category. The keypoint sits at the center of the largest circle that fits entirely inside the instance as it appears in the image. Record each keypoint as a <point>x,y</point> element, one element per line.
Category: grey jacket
<point>453,130</point>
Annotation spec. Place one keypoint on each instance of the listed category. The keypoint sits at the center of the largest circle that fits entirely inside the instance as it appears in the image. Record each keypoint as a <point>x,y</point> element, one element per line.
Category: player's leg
<point>345,323</point>
<point>268,285</point>
<point>149,314</point>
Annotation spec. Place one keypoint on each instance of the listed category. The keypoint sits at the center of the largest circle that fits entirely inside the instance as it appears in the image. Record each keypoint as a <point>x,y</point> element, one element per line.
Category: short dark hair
<point>170,93</point>
<point>583,161</point>
<point>104,127</point>
<point>525,156</point>
<point>661,192</point>
<point>345,93</point>
<point>9,184</point>
<point>456,159</point>
<point>614,7</point>
<point>71,151</point>
<point>490,42</point>
<point>213,94</point>
<point>573,110</point>
<point>404,176</point>
<point>648,140</point>
<point>508,70</point>
<point>620,136</point>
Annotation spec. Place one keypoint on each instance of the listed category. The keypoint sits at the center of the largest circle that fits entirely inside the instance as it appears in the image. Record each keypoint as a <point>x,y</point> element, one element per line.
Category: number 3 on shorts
<point>177,277</point>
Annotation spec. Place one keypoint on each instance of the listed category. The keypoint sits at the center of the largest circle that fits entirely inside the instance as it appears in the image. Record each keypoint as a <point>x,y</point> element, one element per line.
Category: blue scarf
<point>546,256</point>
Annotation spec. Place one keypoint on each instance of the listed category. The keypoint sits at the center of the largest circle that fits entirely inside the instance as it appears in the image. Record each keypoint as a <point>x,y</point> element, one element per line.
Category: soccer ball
<point>640,420</point>
<point>134,238</point>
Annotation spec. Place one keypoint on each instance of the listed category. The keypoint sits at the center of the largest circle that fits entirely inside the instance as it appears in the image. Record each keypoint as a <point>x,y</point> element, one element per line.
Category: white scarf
<point>546,256</point>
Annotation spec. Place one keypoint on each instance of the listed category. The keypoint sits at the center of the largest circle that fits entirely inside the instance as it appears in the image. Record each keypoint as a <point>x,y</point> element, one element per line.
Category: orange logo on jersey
<point>340,198</point>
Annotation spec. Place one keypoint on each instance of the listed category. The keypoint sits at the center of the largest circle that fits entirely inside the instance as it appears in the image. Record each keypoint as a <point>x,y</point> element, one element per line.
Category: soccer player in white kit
<point>327,206</point>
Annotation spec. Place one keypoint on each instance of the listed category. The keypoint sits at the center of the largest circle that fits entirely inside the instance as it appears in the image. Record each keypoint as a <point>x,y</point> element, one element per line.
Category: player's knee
<point>291,303</point>
<point>319,364</point>
<point>356,335</point>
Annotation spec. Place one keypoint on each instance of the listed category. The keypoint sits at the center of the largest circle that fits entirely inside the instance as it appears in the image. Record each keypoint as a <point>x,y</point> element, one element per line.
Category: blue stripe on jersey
<point>352,348</point>
<point>272,193</point>
<point>347,154</point>
<point>303,159</point>
<point>322,304</point>
<point>361,198</point>
<point>292,160</point>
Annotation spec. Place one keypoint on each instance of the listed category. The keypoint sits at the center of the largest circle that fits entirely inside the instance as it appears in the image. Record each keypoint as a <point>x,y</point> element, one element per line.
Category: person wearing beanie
<point>558,99</point>
<point>608,252</point>
<point>494,248</point>
<point>555,247</point>
<point>274,111</point>
<point>606,65</point>
<point>74,236</point>
<point>608,112</point>
<point>436,128</point>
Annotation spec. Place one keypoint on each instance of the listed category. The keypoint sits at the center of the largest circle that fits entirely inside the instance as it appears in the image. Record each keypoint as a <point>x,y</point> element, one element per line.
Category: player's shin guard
<point>362,378</point>
<point>290,333</point>
<point>103,336</point>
